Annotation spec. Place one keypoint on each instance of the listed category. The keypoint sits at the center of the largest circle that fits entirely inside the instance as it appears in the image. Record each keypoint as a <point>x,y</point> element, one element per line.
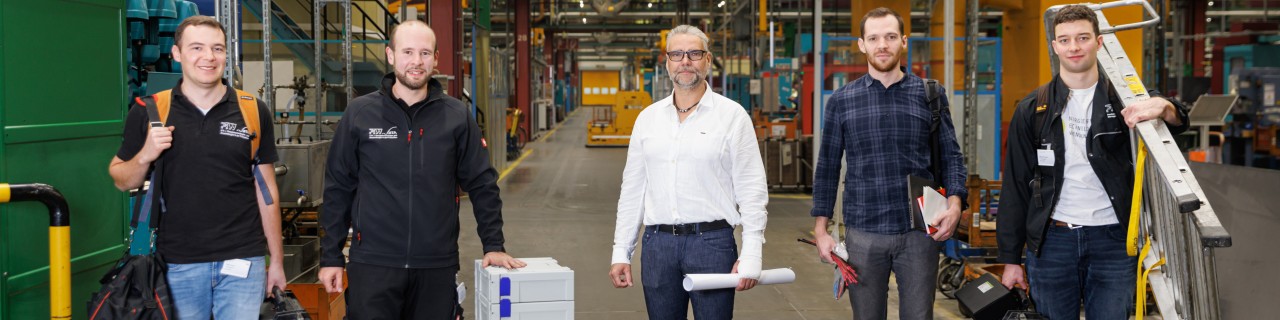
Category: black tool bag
<point>986,299</point>
<point>136,288</point>
<point>283,305</point>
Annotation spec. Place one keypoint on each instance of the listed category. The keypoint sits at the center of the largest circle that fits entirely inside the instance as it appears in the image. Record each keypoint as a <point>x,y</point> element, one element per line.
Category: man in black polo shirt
<point>398,160</point>
<point>216,224</point>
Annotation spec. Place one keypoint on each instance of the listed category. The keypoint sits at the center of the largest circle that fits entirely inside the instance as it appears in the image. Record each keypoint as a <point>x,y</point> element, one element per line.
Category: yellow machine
<point>611,126</point>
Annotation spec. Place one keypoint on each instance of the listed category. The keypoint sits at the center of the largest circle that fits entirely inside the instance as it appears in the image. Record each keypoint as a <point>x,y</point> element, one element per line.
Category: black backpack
<point>136,288</point>
<point>932,90</point>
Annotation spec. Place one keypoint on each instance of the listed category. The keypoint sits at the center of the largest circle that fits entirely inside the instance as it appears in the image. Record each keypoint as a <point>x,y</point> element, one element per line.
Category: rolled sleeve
<point>751,194</point>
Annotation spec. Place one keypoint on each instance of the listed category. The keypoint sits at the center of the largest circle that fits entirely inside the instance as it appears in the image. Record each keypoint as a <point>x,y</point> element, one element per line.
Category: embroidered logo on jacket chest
<point>232,129</point>
<point>381,134</point>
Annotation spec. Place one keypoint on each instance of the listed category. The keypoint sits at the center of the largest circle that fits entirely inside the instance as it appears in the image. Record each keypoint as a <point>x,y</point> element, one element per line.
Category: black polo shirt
<point>208,187</point>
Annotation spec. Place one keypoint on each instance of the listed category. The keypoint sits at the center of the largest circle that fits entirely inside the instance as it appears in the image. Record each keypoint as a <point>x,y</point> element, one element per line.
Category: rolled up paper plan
<point>709,281</point>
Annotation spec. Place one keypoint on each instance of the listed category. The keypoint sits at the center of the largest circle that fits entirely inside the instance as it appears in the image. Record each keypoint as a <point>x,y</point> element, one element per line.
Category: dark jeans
<point>1088,263</point>
<point>666,258</point>
<point>913,259</point>
<point>378,292</point>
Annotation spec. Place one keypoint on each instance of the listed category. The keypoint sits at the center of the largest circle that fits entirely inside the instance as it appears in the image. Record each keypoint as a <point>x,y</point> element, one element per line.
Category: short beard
<point>888,66</point>
<point>403,79</point>
<point>690,85</point>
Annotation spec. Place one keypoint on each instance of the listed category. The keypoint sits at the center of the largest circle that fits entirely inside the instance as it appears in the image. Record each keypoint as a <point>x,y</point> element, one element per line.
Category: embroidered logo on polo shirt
<point>379,133</point>
<point>231,129</point>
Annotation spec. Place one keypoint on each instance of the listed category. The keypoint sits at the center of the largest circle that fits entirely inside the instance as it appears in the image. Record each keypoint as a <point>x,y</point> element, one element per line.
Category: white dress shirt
<point>705,169</point>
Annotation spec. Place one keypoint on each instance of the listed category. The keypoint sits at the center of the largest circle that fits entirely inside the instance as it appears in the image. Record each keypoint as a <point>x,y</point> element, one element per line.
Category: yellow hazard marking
<point>1135,85</point>
<point>515,164</point>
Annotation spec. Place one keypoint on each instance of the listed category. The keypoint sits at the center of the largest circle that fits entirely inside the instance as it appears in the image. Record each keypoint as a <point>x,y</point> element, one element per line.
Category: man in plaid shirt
<point>880,123</point>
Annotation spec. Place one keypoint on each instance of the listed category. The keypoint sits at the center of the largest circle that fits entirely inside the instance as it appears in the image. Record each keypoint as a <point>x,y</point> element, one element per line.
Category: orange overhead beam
<point>860,8</point>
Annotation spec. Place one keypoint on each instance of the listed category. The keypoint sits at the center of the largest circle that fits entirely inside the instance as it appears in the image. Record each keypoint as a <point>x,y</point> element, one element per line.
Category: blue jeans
<point>1087,263</point>
<point>200,290</point>
<point>665,259</point>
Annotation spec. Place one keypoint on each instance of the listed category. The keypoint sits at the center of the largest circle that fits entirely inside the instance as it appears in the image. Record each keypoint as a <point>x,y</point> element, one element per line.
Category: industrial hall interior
<point>639,159</point>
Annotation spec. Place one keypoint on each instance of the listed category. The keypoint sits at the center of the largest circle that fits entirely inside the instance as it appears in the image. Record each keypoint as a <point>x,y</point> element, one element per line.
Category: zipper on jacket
<point>359,238</point>
<point>1053,196</point>
<point>408,248</point>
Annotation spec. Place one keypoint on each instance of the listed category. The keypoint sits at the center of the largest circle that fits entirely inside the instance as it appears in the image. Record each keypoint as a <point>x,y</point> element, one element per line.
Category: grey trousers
<point>913,259</point>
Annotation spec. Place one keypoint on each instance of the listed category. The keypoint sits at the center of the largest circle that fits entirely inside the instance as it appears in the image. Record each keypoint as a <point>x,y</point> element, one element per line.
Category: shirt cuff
<point>621,255</point>
<point>817,212</point>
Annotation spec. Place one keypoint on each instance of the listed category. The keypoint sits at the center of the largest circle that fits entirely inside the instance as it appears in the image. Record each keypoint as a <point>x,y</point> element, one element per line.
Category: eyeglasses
<point>694,55</point>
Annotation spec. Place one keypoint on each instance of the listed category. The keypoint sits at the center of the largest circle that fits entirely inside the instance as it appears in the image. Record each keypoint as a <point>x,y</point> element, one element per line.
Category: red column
<point>523,82</point>
<point>1196,25</point>
<point>446,19</point>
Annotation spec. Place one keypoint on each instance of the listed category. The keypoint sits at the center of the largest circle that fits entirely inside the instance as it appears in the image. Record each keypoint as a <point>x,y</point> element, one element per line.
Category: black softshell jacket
<point>1023,218</point>
<point>395,176</point>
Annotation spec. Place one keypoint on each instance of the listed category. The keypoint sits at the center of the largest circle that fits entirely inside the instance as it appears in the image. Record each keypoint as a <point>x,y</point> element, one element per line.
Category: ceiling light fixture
<point>721,5</point>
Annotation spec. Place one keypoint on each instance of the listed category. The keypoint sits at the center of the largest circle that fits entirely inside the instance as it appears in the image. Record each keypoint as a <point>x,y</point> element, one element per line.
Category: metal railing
<point>322,28</point>
<point>1176,229</point>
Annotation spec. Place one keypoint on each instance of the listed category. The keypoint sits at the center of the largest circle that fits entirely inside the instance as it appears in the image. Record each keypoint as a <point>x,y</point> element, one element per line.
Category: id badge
<point>238,268</point>
<point>1045,157</point>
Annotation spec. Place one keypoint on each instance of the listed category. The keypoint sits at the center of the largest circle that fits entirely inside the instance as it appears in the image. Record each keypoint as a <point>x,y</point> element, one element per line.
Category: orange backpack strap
<point>249,110</point>
<point>252,122</point>
<point>162,102</point>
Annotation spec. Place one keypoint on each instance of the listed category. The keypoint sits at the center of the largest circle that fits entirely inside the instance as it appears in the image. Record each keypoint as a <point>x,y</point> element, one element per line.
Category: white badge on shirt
<point>238,268</point>
<point>1045,157</point>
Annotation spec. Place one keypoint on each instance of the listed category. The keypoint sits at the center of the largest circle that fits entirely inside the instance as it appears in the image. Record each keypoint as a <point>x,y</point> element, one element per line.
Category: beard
<point>402,77</point>
<point>888,66</point>
<point>688,84</point>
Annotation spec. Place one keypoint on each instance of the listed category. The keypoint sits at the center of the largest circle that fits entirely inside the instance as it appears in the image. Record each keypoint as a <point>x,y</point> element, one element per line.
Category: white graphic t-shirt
<point>1082,200</point>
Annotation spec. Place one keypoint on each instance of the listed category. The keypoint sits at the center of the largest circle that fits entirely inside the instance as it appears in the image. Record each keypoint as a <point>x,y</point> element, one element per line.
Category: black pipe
<point>59,213</point>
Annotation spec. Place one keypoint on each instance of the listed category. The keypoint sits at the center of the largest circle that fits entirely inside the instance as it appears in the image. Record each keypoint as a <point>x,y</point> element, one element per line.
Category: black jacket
<point>1023,219</point>
<point>394,177</point>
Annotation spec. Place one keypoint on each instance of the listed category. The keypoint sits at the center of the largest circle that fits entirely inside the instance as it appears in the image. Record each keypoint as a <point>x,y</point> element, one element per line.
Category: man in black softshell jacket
<point>399,161</point>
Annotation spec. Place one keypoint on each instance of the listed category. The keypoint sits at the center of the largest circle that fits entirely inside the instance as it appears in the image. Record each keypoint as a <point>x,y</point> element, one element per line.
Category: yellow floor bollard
<point>59,240</point>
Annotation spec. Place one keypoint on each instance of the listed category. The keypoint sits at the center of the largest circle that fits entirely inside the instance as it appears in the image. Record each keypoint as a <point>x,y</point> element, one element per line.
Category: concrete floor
<point>561,200</point>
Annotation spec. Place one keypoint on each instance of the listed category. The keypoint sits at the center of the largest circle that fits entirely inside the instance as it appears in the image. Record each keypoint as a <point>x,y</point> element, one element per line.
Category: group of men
<point>401,157</point>
<point>398,188</point>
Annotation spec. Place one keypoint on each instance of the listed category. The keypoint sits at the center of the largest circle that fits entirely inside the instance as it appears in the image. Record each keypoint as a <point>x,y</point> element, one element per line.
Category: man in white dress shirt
<point>693,173</point>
